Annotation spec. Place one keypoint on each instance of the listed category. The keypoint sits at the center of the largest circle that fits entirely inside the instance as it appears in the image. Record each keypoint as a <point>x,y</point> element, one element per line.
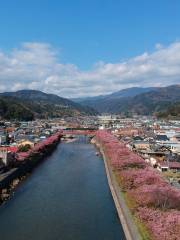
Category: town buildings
<point>158,142</point>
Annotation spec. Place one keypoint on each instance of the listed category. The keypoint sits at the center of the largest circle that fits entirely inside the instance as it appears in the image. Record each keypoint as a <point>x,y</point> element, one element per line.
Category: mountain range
<point>30,104</point>
<point>128,92</point>
<point>144,101</point>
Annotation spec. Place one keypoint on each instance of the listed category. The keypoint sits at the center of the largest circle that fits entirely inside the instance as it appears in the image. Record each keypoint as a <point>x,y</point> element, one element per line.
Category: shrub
<point>133,178</point>
<point>162,225</point>
<point>161,196</point>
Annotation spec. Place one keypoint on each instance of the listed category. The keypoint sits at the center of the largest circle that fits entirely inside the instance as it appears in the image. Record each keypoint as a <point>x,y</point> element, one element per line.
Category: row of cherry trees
<point>153,200</point>
<point>39,148</point>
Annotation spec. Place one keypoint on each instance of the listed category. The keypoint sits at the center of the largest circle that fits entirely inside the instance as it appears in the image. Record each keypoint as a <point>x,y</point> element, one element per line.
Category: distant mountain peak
<point>42,105</point>
<point>136,99</point>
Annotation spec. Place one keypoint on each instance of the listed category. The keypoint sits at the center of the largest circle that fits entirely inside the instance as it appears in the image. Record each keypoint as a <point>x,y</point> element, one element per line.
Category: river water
<point>65,198</point>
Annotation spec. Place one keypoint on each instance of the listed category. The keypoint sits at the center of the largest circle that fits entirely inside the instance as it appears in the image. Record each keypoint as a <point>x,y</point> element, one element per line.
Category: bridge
<point>79,132</point>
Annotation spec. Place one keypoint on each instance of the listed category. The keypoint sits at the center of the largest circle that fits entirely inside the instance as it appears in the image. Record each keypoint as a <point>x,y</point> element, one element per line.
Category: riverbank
<point>152,201</point>
<point>126,219</point>
<point>25,162</point>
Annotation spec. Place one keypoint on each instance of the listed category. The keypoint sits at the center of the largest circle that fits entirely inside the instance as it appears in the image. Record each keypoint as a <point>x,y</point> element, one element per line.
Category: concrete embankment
<point>126,219</point>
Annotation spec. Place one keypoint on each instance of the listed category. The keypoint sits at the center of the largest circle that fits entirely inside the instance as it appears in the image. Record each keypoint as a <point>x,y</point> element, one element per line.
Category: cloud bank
<point>37,66</point>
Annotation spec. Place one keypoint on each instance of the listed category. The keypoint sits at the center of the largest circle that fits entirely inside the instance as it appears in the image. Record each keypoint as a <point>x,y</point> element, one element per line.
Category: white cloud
<point>36,66</point>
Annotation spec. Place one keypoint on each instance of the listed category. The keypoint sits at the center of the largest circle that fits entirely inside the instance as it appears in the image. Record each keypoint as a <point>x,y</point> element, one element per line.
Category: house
<point>161,138</point>
<point>175,166</point>
<point>175,147</point>
<point>7,155</point>
<point>163,166</point>
<point>176,138</point>
<point>141,145</point>
<point>161,148</point>
<point>137,138</point>
<point>2,139</point>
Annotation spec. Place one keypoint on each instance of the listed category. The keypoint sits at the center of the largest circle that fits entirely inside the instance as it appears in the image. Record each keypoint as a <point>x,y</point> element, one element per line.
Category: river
<point>65,198</point>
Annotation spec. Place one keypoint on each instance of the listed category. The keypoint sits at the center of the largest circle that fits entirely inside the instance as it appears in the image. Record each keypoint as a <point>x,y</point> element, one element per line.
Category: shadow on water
<point>66,198</point>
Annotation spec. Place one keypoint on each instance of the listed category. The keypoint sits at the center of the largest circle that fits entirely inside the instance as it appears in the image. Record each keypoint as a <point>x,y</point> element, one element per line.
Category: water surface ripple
<point>65,198</point>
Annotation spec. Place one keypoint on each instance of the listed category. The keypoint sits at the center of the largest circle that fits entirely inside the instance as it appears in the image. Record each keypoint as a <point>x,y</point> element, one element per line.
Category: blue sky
<point>82,34</point>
